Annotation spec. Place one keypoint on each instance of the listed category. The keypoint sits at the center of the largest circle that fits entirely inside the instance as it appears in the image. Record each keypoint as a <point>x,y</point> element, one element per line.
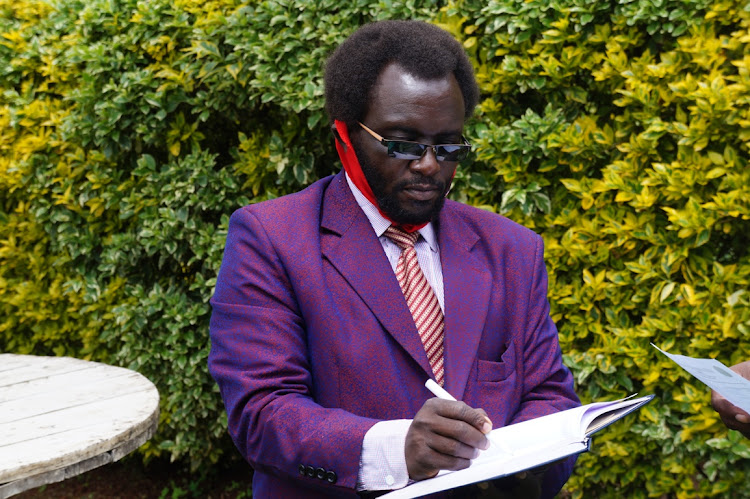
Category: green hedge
<point>620,131</point>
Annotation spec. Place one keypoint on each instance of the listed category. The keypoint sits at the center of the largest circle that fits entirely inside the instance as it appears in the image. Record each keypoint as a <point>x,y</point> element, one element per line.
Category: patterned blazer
<point>312,341</point>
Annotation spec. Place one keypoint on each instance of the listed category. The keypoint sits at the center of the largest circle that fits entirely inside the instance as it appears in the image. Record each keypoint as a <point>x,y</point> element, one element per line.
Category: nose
<point>428,164</point>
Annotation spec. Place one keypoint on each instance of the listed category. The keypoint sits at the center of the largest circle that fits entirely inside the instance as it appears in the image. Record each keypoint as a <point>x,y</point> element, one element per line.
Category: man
<point>323,329</point>
<point>732,416</point>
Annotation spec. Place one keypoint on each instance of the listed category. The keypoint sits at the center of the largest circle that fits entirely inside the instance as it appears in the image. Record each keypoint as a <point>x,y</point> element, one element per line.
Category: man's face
<point>403,107</point>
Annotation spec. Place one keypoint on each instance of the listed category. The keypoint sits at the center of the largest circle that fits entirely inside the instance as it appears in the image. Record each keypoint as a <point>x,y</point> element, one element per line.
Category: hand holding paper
<point>734,417</point>
<point>731,388</point>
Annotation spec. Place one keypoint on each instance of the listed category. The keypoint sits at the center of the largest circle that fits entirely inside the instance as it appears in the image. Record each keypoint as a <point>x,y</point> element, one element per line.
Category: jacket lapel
<point>349,243</point>
<point>467,285</point>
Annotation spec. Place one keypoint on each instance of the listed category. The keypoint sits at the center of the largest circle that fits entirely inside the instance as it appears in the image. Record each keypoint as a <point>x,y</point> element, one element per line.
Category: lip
<point>421,192</point>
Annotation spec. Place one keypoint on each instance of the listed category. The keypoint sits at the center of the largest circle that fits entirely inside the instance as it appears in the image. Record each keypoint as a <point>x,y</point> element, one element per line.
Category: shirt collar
<point>380,223</point>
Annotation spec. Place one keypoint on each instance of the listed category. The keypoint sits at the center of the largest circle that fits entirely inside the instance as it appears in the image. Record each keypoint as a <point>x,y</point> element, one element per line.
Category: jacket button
<point>331,477</point>
<point>320,474</point>
<point>310,471</point>
<point>301,469</point>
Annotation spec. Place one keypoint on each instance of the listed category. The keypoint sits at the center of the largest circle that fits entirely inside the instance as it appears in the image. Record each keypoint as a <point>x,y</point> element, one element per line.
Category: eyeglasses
<point>404,149</point>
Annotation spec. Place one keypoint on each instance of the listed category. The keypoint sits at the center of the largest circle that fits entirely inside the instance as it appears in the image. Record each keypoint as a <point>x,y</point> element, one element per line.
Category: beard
<point>419,212</point>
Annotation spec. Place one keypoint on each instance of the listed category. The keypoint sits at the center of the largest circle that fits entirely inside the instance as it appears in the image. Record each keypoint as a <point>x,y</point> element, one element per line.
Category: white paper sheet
<point>716,376</point>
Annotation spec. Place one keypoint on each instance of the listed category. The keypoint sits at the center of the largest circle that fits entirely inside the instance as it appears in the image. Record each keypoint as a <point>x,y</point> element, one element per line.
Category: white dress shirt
<point>382,464</point>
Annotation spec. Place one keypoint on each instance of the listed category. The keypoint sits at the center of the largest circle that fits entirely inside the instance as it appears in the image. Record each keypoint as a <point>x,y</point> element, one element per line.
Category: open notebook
<point>529,444</point>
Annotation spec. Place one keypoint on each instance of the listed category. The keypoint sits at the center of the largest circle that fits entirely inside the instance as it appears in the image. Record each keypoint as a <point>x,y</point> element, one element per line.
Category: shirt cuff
<point>382,464</point>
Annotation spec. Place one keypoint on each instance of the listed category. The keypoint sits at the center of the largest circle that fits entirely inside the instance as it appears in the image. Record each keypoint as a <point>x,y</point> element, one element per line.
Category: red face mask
<point>354,170</point>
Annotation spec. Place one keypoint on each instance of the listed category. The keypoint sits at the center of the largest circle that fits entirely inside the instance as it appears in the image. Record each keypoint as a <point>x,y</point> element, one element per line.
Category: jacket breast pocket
<point>491,371</point>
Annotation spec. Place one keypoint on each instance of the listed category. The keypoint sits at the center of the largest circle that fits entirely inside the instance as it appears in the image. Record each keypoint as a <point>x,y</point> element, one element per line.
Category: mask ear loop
<point>450,187</point>
<point>337,136</point>
<point>354,170</point>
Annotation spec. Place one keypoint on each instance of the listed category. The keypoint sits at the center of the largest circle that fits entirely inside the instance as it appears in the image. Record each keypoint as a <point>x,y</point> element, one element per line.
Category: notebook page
<point>527,436</point>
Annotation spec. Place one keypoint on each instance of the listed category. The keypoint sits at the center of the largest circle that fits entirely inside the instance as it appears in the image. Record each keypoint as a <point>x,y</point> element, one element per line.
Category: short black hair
<point>422,49</point>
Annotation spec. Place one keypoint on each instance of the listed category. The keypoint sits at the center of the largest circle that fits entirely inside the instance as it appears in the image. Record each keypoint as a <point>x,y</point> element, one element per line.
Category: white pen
<point>438,390</point>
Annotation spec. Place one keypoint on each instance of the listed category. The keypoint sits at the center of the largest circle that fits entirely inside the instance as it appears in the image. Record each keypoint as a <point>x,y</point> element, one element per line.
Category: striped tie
<point>420,298</point>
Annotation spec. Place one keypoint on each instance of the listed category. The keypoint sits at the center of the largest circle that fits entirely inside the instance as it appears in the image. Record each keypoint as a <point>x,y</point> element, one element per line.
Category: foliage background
<point>619,130</point>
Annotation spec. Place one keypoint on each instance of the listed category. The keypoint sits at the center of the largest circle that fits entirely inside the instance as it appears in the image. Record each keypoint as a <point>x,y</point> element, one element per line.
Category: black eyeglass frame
<point>399,148</point>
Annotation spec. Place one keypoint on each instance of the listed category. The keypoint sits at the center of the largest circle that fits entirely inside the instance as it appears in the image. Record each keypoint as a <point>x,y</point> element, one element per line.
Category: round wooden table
<point>60,417</point>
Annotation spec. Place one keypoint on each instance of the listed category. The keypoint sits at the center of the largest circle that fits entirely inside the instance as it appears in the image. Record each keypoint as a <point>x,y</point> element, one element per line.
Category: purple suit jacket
<point>312,341</point>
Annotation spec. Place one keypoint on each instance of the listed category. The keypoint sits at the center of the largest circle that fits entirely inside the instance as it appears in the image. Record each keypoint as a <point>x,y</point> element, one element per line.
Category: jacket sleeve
<point>259,358</point>
<point>547,383</point>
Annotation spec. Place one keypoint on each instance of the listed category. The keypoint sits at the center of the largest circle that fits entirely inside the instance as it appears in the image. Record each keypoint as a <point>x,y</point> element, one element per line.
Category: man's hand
<point>734,417</point>
<point>444,435</point>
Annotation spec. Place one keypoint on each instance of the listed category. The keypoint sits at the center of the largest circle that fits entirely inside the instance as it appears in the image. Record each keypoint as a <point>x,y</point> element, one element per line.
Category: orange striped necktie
<point>420,298</point>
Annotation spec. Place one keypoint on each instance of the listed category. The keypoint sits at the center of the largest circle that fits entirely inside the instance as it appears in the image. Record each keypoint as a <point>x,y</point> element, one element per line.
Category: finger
<point>431,466</point>
<point>462,412</point>
<point>725,408</point>
<point>425,456</point>
<point>736,421</point>
<point>730,414</point>
<point>716,399</point>
<point>487,424</point>
<point>452,448</point>
<point>461,432</point>
<point>743,369</point>
<point>446,462</point>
